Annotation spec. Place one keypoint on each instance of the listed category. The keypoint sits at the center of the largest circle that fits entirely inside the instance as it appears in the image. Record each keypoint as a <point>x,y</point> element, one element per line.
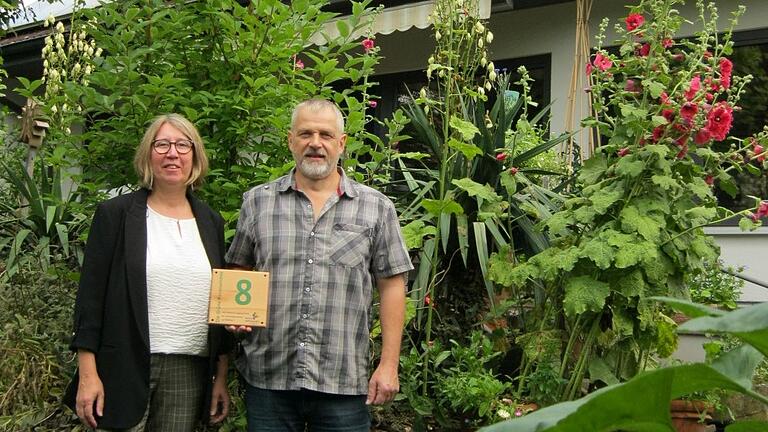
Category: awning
<point>400,18</point>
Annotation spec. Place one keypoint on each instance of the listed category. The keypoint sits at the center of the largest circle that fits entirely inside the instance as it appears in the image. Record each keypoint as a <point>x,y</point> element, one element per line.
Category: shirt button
<point>304,315</point>
<point>301,344</point>
<point>309,206</point>
<point>312,234</point>
<point>306,289</point>
<point>310,261</point>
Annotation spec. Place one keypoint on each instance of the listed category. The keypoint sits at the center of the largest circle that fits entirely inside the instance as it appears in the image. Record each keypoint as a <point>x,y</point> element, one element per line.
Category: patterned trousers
<point>176,384</point>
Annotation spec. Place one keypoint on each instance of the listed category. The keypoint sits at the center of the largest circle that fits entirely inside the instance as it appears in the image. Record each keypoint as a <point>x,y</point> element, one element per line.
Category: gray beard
<point>317,171</point>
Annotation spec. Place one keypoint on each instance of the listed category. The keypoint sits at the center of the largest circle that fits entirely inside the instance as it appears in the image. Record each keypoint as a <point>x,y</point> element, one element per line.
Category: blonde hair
<point>142,160</point>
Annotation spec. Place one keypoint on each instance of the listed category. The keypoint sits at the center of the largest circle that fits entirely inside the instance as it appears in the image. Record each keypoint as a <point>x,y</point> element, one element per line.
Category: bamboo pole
<point>578,102</point>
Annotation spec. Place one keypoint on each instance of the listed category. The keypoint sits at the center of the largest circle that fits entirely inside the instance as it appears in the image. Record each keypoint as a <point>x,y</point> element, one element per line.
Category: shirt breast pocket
<point>350,245</point>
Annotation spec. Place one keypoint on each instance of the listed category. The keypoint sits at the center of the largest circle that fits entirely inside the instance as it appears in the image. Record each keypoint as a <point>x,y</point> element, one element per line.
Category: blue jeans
<point>305,410</point>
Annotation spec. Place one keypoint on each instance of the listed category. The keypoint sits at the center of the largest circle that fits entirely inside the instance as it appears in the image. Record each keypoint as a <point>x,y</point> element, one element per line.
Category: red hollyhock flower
<point>667,43</point>
<point>367,44</point>
<point>664,98</point>
<point>682,141</point>
<point>623,151</point>
<point>709,179</point>
<point>373,103</point>
<point>719,121</point>
<point>658,132</point>
<point>513,170</point>
<point>501,156</point>
<point>702,137</point>
<point>683,151</point>
<point>644,50</point>
<point>762,210</point>
<point>634,21</point>
<point>726,69</point>
<point>588,69</point>
<point>693,88</point>
<point>668,114</point>
<point>602,62</point>
<point>689,110</point>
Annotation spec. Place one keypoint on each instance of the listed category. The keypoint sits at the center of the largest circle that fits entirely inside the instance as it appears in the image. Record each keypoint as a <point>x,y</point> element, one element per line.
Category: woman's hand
<point>90,390</point>
<point>90,395</point>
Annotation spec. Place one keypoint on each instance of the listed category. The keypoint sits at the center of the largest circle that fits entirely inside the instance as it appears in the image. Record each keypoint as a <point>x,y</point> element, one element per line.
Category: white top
<point>178,286</point>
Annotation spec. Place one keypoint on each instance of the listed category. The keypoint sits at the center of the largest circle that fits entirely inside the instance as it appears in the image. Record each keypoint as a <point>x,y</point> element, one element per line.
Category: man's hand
<point>383,386</point>
<point>238,329</point>
<point>219,401</point>
<point>90,392</point>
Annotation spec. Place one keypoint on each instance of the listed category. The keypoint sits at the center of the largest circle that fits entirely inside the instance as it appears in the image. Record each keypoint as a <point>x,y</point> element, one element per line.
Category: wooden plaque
<point>239,297</point>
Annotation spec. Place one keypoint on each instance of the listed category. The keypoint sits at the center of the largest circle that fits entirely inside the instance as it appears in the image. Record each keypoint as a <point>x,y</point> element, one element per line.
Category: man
<point>324,239</point>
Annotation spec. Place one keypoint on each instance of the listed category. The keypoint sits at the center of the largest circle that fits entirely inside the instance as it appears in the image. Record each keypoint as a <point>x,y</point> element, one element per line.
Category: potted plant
<point>632,228</point>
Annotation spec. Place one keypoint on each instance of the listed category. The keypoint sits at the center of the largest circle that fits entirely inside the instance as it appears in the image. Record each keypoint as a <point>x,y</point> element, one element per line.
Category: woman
<point>146,357</point>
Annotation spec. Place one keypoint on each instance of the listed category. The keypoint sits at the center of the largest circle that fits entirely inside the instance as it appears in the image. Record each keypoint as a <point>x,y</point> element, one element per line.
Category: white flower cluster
<point>67,56</point>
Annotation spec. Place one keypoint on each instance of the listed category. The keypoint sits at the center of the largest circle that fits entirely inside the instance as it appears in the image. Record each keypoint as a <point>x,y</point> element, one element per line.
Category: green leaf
<point>509,182</point>
<point>593,170</point>
<point>665,182</point>
<point>747,224</point>
<point>466,129</point>
<point>475,189</point>
<point>654,87</point>
<point>605,198</point>
<point>468,150</point>
<point>658,120</point>
<point>749,324</point>
<point>583,293</point>
<point>437,207</point>
<point>414,233</point>
<point>630,285</point>
<point>629,167</point>
<point>598,251</point>
<point>635,252</point>
<point>633,221</point>
<point>747,426</point>
<point>600,371</point>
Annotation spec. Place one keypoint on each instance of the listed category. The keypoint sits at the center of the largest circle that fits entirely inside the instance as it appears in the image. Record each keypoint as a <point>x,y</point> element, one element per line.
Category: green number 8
<point>243,297</point>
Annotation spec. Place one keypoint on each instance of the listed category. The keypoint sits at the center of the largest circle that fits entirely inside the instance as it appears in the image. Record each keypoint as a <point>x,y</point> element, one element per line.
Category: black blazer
<point>111,317</point>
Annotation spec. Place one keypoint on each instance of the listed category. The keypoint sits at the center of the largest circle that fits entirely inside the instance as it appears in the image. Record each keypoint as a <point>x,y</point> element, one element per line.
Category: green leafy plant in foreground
<point>618,407</point>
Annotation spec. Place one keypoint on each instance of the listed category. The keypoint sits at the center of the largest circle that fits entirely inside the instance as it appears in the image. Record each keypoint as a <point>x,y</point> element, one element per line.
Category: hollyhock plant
<point>634,228</point>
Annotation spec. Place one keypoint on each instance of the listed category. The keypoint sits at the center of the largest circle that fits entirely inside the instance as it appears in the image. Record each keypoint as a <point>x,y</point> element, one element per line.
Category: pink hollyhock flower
<point>667,43</point>
<point>368,44</point>
<point>710,180</point>
<point>632,86</point>
<point>759,152</point>
<point>501,156</point>
<point>513,170</point>
<point>693,88</point>
<point>299,64</point>
<point>719,121</point>
<point>702,137</point>
<point>678,57</point>
<point>762,210</point>
<point>709,97</point>
<point>518,412</point>
<point>726,69</point>
<point>664,98</point>
<point>588,69</point>
<point>373,103</point>
<point>602,62</point>
<point>634,21</point>
<point>689,110</point>
<point>644,50</point>
<point>753,216</point>
<point>623,151</point>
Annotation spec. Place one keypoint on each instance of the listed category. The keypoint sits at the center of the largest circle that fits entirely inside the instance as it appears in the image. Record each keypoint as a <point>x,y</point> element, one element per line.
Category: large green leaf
<point>584,293</point>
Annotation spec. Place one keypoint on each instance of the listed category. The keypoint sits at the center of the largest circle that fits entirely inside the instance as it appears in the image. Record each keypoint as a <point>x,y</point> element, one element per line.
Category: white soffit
<point>400,18</point>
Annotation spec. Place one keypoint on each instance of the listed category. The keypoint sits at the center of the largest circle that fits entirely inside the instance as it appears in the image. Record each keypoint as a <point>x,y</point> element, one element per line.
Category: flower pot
<point>690,416</point>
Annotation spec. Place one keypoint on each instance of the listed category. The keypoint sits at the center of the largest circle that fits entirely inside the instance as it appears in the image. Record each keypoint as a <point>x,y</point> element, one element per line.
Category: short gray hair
<point>318,104</point>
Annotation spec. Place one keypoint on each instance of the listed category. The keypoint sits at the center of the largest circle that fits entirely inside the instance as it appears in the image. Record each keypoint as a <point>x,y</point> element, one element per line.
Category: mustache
<point>314,153</point>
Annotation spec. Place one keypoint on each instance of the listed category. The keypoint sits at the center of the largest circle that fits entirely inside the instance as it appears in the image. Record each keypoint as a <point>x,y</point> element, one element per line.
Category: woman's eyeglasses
<point>163,146</point>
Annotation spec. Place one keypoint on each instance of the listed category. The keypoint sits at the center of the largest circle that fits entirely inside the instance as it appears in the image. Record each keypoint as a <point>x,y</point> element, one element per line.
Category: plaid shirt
<point>321,282</point>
